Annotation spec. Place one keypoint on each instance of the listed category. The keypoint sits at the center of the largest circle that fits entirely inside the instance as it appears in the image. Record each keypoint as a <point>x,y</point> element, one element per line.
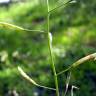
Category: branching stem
<point>80,61</point>
<point>50,49</point>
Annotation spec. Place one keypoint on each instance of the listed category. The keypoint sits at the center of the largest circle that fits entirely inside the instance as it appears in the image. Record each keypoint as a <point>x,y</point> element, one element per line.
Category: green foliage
<point>74,36</point>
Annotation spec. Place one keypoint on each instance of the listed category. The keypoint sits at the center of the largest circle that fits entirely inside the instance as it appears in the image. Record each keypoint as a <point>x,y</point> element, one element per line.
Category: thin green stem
<point>80,61</point>
<point>52,10</point>
<point>50,50</point>
<point>64,71</point>
<point>8,25</point>
<point>31,80</point>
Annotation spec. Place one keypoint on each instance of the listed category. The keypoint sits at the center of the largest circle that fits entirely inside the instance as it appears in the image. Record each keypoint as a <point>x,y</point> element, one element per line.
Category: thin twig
<point>8,25</point>
<point>31,80</point>
<point>64,4</point>
<point>80,61</point>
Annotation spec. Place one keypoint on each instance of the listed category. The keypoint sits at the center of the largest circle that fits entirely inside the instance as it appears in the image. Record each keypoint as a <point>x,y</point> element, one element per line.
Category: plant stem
<point>51,54</point>
<point>8,25</point>
<point>31,80</point>
<point>80,61</point>
<point>52,10</point>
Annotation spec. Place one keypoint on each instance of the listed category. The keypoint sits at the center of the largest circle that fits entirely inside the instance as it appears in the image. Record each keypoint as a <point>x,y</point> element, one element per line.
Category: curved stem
<point>80,61</point>
<point>31,80</point>
<point>50,49</point>
<point>7,25</point>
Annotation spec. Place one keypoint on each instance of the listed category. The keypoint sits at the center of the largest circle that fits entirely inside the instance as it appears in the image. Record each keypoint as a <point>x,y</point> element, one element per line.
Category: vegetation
<point>74,37</point>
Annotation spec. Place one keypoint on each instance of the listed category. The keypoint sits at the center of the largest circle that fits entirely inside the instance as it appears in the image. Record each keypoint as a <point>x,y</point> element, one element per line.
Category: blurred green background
<point>74,36</point>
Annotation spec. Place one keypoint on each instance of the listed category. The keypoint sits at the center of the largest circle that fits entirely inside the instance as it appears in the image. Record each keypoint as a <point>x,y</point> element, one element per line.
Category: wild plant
<point>49,35</point>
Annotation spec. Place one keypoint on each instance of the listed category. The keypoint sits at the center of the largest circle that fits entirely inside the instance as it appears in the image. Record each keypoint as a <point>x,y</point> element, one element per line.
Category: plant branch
<point>80,61</point>
<point>31,80</point>
<point>52,10</point>
<point>7,25</point>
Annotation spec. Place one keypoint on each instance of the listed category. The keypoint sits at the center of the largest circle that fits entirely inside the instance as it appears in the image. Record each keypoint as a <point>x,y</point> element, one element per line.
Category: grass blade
<point>67,83</point>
